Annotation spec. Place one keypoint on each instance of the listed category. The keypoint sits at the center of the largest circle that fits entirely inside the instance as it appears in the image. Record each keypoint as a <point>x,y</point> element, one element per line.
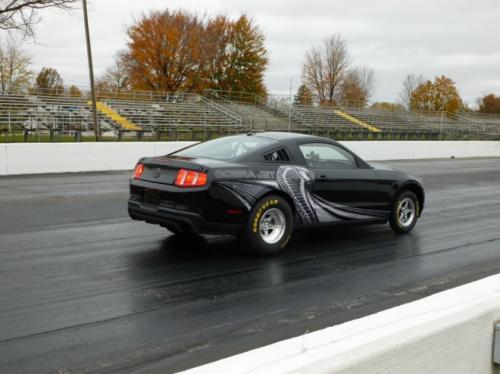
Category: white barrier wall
<point>447,333</point>
<point>410,150</point>
<point>36,158</point>
<point>3,160</point>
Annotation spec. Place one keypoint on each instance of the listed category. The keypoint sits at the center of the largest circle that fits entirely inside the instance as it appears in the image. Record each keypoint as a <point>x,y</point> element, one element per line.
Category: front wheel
<point>269,226</point>
<point>405,212</point>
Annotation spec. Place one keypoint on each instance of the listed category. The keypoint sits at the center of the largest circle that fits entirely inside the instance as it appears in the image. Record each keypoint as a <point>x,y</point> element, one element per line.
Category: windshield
<point>226,148</point>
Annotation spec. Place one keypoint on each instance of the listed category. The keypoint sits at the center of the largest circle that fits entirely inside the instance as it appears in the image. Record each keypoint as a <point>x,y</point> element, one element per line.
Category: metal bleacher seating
<point>221,112</point>
<point>41,112</point>
<point>174,111</point>
<point>255,114</point>
<point>139,112</point>
<point>488,124</point>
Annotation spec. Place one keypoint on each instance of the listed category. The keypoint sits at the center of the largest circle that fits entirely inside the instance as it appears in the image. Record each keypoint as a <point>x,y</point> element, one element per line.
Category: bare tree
<point>410,84</point>
<point>357,87</point>
<point>15,72</point>
<point>325,68</point>
<point>23,15</point>
<point>116,77</point>
<point>314,74</point>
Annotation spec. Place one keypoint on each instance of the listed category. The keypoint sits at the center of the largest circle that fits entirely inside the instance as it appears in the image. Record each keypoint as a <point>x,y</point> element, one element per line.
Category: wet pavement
<point>85,289</point>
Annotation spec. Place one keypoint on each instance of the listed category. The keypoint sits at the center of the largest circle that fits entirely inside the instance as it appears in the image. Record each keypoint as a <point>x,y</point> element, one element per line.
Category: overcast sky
<point>458,38</point>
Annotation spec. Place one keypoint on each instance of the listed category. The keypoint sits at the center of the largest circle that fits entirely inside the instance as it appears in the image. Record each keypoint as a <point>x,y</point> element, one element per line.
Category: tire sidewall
<point>394,221</point>
<point>252,234</point>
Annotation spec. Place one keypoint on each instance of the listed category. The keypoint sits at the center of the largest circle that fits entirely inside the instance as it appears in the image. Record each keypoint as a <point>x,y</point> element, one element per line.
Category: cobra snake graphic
<point>295,180</point>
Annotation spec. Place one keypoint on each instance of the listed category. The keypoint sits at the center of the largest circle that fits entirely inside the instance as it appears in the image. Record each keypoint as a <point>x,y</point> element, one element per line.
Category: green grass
<point>200,136</point>
<point>19,138</point>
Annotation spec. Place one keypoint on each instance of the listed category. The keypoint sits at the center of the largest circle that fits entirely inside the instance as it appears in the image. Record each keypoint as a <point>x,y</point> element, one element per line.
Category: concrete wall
<point>449,332</point>
<point>408,150</point>
<point>36,158</point>
<point>77,157</point>
<point>3,160</point>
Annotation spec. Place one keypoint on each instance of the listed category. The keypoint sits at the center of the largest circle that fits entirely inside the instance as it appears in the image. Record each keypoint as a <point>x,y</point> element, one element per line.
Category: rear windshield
<point>226,148</point>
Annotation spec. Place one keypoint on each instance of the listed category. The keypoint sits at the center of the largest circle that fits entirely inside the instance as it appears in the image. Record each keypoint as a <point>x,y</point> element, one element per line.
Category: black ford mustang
<point>260,186</point>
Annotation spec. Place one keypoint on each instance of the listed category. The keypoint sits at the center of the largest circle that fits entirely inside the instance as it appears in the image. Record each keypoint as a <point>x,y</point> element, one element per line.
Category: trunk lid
<point>164,169</point>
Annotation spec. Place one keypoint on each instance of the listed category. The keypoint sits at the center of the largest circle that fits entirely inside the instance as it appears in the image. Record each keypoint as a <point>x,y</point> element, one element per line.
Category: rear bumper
<point>180,220</point>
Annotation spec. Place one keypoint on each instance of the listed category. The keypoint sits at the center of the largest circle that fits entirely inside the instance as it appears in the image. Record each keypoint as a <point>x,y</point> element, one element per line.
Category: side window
<point>277,155</point>
<point>327,156</point>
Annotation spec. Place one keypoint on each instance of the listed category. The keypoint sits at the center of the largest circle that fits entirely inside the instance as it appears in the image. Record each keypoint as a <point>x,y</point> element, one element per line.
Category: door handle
<point>322,178</point>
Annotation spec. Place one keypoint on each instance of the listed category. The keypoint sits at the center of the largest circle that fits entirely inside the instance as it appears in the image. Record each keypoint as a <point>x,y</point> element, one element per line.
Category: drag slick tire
<point>269,226</point>
<point>405,212</point>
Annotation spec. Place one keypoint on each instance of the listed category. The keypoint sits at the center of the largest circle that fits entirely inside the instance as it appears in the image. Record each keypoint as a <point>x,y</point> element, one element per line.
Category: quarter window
<point>327,156</point>
<point>277,155</point>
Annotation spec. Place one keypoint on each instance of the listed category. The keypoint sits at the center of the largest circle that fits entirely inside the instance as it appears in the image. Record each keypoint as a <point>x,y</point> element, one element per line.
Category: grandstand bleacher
<point>215,113</point>
<point>252,109</point>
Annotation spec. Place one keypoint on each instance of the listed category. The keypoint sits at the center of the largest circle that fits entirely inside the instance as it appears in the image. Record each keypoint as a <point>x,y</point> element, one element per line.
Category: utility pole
<point>91,72</point>
<point>290,108</point>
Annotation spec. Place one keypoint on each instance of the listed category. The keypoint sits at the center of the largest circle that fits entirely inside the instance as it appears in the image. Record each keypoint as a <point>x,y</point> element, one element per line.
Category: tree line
<point>181,51</point>
<point>168,51</point>
<point>174,51</point>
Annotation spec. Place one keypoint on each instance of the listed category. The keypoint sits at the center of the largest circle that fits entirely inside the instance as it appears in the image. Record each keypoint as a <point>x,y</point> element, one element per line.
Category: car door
<point>339,179</point>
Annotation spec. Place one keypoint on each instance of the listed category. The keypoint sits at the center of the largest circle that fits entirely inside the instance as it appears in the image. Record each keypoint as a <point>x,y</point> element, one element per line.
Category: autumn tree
<point>218,36</point>
<point>242,57</point>
<point>410,83</point>
<point>180,51</point>
<point>49,82</point>
<point>74,91</point>
<point>357,87</point>
<point>489,104</point>
<point>116,77</point>
<point>438,95</point>
<point>15,72</point>
<point>165,51</point>
<point>325,68</point>
<point>23,15</point>
<point>386,106</point>
<point>304,96</point>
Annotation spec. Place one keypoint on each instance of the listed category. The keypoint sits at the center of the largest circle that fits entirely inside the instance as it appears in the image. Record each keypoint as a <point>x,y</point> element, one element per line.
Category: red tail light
<point>139,169</point>
<point>190,178</point>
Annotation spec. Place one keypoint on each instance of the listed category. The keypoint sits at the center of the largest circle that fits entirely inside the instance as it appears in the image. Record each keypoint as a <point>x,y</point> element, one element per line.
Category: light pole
<point>290,108</point>
<point>91,71</point>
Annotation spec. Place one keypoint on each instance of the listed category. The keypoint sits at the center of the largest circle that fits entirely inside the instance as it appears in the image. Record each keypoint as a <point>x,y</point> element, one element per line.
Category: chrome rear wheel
<point>272,225</point>
<point>269,226</point>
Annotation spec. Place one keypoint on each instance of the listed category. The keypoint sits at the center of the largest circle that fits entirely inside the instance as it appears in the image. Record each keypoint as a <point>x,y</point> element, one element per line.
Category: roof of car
<point>276,135</point>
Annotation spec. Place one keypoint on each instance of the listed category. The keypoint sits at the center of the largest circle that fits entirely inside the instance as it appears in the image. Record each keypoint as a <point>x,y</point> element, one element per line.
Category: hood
<point>382,167</point>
